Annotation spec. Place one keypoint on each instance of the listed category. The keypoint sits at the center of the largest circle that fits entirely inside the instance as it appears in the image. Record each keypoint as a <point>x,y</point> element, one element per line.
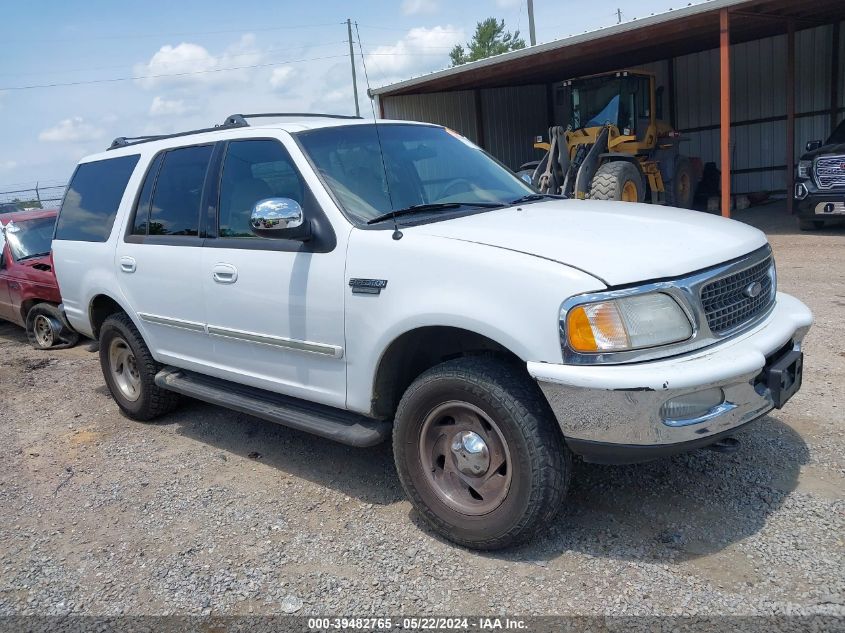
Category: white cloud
<point>421,50</point>
<point>415,7</point>
<point>281,77</point>
<point>7,164</point>
<point>72,129</point>
<point>191,64</point>
<point>508,4</point>
<point>170,107</point>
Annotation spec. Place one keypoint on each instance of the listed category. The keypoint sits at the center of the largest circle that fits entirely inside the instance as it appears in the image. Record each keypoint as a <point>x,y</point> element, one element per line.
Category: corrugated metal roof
<point>631,43</point>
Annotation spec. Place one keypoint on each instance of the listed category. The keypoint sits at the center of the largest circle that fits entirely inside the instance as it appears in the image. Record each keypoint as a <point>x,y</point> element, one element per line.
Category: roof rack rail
<point>233,121</point>
<point>126,141</point>
<point>240,120</point>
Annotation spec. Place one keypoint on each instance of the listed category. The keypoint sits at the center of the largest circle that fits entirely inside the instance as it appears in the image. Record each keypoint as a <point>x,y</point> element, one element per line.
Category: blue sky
<point>286,56</point>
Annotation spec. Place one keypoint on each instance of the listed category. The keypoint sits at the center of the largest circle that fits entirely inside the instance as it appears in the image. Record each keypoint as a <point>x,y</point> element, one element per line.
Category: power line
<point>175,63</point>
<point>124,36</point>
<point>160,76</point>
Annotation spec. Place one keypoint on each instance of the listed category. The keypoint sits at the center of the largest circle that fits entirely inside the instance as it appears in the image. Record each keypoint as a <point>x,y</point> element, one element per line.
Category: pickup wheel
<point>479,453</point>
<point>45,329</point>
<point>129,370</point>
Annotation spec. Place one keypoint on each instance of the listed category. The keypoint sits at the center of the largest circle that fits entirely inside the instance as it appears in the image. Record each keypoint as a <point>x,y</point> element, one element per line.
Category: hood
<point>617,242</point>
<point>831,149</point>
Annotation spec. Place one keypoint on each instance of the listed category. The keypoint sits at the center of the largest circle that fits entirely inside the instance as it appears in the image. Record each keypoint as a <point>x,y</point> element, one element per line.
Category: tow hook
<point>725,445</point>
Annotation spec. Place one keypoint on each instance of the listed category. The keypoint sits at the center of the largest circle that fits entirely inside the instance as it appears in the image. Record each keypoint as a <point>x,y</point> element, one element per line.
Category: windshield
<point>27,238</point>
<point>838,135</point>
<point>425,165</point>
<point>595,102</point>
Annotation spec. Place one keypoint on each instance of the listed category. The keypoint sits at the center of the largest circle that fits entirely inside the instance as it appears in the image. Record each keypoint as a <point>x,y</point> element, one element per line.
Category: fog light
<point>692,405</point>
<point>801,191</point>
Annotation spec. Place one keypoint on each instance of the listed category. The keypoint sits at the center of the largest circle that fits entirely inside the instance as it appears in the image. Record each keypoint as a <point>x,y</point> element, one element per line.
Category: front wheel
<point>45,328</point>
<point>479,453</point>
<point>810,225</point>
<point>618,180</point>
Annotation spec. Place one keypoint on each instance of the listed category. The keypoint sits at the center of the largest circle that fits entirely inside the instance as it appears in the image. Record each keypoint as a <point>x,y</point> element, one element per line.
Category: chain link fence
<point>39,196</point>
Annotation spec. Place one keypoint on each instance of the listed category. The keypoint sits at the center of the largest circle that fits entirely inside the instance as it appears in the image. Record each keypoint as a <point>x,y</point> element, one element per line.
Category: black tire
<point>611,179</point>
<point>810,225</point>
<point>681,190</point>
<point>539,462</point>
<point>46,329</point>
<point>152,401</point>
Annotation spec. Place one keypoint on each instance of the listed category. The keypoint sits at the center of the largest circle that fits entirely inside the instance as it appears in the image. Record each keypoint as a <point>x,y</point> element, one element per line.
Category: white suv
<point>354,279</point>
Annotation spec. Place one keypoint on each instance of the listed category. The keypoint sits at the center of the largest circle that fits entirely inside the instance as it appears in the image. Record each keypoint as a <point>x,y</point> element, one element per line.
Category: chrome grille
<point>727,302</point>
<point>830,172</point>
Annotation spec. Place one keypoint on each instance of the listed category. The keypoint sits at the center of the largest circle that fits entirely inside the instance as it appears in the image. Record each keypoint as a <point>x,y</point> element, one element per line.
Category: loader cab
<point>623,99</point>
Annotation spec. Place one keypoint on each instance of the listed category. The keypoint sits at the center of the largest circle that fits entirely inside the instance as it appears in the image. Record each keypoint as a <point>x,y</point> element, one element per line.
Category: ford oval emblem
<point>753,290</point>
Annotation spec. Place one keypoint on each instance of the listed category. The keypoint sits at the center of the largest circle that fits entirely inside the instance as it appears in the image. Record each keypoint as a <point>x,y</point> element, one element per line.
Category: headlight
<point>634,322</point>
<point>804,167</point>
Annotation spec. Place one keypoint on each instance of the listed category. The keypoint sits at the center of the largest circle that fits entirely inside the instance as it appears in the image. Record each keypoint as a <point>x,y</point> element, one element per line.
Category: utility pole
<point>618,16</point>
<point>531,35</point>
<point>352,61</point>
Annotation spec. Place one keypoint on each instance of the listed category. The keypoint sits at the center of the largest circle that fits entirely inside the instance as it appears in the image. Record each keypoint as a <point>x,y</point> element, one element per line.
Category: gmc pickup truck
<point>360,280</point>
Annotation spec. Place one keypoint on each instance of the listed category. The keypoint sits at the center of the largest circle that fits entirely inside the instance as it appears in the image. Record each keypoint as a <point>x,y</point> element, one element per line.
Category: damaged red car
<point>29,294</point>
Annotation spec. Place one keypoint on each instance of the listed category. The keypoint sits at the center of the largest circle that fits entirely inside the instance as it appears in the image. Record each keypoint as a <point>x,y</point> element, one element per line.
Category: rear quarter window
<point>92,199</point>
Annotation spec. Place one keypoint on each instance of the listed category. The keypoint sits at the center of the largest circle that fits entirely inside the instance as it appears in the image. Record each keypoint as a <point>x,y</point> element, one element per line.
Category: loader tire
<point>680,191</point>
<point>617,180</point>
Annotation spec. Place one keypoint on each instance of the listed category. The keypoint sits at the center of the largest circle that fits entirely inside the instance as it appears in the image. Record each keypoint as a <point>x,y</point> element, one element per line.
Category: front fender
<point>509,297</point>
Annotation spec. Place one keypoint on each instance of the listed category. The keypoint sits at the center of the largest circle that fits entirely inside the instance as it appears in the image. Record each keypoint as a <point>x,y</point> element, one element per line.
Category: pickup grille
<point>830,172</point>
<point>727,302</point>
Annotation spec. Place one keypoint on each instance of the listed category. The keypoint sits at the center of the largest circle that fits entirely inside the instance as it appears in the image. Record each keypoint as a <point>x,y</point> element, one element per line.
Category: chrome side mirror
<point>278,218</point>
<point>813,145</point>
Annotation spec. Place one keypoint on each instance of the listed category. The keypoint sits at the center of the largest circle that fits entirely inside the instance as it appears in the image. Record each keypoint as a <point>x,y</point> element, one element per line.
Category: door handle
<point>224,273</point>
<point>127,264</point>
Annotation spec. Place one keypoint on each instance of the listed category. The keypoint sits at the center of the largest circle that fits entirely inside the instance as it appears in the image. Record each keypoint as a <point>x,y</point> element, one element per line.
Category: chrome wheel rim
<point>124,369</point>
<point>43,331</point>
<point>465,458</point>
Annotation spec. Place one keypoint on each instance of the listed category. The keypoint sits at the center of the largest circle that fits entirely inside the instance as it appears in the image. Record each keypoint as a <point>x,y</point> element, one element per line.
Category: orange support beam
<point>790,114</point>
<point>725,109</point>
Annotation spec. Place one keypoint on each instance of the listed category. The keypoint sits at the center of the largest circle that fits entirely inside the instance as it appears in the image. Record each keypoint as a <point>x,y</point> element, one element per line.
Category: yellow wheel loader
<point>614,147</point>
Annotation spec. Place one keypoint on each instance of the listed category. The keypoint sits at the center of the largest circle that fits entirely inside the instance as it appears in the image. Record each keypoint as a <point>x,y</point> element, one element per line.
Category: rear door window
<point>93,196</point>
<point>177,198</point>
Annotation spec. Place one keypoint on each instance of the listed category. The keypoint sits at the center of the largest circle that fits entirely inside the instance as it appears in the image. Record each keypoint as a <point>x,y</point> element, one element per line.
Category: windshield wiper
<point>431,206</point>
<point>531,197</point>
<point>34,255</point>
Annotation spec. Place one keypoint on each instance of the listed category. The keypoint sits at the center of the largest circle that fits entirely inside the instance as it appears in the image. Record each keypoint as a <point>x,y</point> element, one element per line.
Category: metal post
<point>352,61</point>
<point>834,77</point>
<point>38,195</point>
<point>725,109</point>
<point>531,35</point>
<point>790,113</point>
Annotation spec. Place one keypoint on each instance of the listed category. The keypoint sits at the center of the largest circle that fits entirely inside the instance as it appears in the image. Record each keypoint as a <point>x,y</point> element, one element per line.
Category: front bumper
<point>813,203</point>
<point>612,413</point>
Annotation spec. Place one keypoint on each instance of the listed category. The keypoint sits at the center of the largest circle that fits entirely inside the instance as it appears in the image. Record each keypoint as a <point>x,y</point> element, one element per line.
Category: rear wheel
<point>479,453</point>
<point>680,191</point>
<point>129,370</point>
<point>617,180</point>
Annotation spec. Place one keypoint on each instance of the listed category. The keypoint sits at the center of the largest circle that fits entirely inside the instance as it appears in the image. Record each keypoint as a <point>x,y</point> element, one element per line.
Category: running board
<point>329,422</point>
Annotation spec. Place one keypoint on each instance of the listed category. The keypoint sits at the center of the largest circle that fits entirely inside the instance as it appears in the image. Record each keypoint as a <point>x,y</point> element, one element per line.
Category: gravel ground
<point>212,512</point>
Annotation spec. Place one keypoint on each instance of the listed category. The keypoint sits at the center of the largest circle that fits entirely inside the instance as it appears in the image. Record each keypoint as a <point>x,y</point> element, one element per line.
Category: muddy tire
<point>479,453</point>
<point>129,370</point>
<point>618,180</point>
<point>46,329</point>
<point>681,190</point>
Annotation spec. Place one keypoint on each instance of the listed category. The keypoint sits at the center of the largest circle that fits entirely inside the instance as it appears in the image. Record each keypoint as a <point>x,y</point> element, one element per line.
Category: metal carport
<point>747,81</point>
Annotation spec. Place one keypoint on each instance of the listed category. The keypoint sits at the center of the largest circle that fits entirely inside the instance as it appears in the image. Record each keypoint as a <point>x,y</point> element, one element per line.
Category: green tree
<point>490,38</point>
